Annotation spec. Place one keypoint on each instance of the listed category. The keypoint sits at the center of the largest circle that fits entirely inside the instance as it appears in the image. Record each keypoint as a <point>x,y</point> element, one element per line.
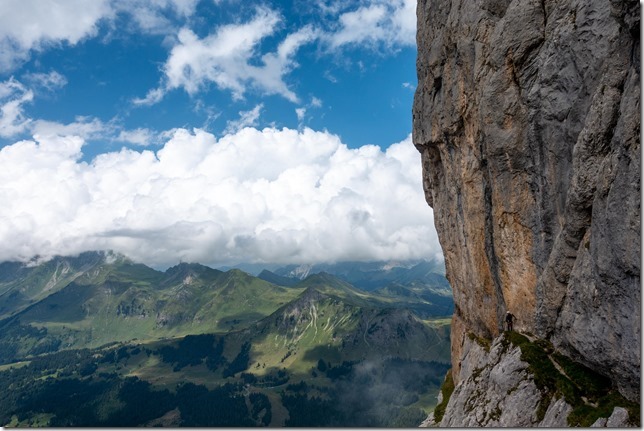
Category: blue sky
<point>111,110</point>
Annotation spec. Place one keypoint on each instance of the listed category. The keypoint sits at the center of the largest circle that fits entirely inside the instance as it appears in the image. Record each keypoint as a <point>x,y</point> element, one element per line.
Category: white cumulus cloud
<point>374,23</point>
<point>230,59</point>
<point>15,122</point>
<point>51,81</point>
<point>140,136</point>
<point>36,25</point>
<point>155,16</point>
<point>27,25</point>
<point>282,196</point>
<point>13,96</point>
<point>246,119</point>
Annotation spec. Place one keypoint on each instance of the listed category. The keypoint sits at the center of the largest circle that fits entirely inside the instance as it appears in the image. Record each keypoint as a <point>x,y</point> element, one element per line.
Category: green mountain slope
<point>423,284</point>
<point>271,277</point>
<point>331,356</point>
<point>119,301</point>
<point>331,323</point>
<point>415,296</point>
<point>22,285</point>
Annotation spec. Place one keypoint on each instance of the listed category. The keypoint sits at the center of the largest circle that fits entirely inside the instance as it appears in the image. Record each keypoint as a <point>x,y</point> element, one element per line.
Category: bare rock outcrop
<point>527,116</point>
<point>515,382</point>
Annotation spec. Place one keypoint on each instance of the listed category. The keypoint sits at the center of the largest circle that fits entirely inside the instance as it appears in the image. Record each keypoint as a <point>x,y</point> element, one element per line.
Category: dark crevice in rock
<point>489,241</point>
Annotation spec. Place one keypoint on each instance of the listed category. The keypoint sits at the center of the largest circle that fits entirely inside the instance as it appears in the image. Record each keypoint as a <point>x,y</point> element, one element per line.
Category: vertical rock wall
<point>527,116</point>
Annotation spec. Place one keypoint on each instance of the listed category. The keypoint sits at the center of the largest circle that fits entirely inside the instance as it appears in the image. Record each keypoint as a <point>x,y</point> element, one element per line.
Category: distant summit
<point>271,277</point>
<point>373,275</point>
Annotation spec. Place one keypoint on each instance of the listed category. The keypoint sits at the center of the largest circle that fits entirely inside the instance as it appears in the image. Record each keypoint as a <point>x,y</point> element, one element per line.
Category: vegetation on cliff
<point>591,395</point>
<point>446,391</point>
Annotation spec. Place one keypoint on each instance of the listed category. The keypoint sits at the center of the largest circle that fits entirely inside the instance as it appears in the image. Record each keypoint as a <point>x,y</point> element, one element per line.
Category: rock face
<point>527,116</point>
<point>492,385</point>
<point>497,389</point>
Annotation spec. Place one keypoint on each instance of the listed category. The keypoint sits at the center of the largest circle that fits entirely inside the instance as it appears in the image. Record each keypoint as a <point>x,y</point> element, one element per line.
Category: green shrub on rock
<point>446,389</point>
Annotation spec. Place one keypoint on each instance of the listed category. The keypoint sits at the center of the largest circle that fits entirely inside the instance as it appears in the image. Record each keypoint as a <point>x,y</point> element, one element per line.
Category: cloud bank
<point>271,196</point>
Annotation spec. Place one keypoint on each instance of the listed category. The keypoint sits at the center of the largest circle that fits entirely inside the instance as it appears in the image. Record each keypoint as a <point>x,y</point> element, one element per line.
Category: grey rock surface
<point>527,116</point>
<point>618,419</point>
<point>495,391</point>
<point>556,415</point>
<point>428,422</point>
<point>599,423</point>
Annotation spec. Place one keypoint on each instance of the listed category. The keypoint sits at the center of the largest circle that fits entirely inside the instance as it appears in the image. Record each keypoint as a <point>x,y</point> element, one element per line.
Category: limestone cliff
<point>527,116</point>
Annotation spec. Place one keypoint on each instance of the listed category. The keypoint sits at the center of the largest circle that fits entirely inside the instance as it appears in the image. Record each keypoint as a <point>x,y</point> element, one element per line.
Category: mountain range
<point>299,342</point>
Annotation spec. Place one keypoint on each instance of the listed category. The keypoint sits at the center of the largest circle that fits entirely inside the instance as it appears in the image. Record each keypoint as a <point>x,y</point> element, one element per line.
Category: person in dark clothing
<point>509,320</point>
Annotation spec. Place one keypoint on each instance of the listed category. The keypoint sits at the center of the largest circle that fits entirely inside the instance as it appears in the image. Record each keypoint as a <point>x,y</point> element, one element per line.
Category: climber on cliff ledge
<point>509,318</point>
